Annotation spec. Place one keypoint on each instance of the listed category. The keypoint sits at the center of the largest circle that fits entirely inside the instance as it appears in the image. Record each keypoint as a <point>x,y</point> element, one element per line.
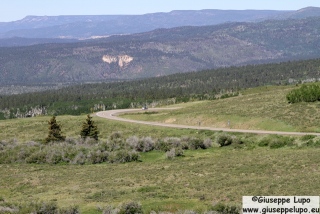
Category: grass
<point>196,181</point>
<point>264,108</point>
<point>36,129</point>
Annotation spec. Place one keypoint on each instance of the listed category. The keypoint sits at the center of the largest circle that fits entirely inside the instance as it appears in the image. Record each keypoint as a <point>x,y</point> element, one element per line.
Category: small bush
<point>148,144</point>
<point>131,208</point>
<point>44,208</point>
<point>224,140</point>
<point>309,143</point>
<point>38,208</point>
<point>162,146</point>
<point>307,137</point>
<point>80,158</point>
<point>173,142</point>
<point>69,210</point>
<point>174,152</point>
<point>115,135</point>
<point>38,157</point>
<point>113,145</point>
<point>95,157</point>
<point>132,142</point>
<point>109,210</point>
<point>89,141</point>
<point>123,156</point>
<point>226,209</point>
<point>281,141</point>
<point>207,143</point>
<point>196,143</point>
<point>316,143</point>
<point>264,142</point>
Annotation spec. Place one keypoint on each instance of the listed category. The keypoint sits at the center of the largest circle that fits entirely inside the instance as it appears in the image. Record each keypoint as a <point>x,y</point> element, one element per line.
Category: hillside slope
<point>162,52</point>
<point>263,108</point>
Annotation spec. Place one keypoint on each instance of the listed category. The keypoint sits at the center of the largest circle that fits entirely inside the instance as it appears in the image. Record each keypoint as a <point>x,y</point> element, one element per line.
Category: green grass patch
<point>196,181</point>
<point>263,108</point>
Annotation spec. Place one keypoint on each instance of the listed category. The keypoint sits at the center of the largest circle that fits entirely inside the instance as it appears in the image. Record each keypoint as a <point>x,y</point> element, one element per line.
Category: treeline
<point>306,93</point>
<point>203,85</point>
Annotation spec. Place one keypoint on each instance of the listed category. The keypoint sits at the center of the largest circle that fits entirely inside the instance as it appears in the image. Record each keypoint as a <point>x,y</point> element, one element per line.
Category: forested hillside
<point>162,52</point>
<point>207,84</point>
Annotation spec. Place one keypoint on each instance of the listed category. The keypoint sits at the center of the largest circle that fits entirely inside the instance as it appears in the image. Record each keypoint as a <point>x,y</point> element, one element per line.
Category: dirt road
<point>112,115</point>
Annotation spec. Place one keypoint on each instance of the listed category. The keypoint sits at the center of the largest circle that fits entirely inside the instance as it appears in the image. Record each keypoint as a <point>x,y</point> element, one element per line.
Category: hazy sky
<point>11,10</point>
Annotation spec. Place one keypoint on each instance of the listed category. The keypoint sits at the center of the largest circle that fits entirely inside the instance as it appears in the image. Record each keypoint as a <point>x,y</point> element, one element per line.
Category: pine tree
<point>89,129</point>
<point>54,131</point>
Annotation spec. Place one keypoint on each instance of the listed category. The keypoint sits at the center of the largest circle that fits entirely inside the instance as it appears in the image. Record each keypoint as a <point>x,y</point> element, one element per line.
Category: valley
<point>180,112</point>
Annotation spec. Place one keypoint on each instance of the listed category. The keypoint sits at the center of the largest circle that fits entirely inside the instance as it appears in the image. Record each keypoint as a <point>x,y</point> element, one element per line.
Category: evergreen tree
<point>54,131</point>
<point>89,129</point>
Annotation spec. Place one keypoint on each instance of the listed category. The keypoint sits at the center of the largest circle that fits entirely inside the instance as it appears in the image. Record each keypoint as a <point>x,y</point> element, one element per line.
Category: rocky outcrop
<point>121,60</point>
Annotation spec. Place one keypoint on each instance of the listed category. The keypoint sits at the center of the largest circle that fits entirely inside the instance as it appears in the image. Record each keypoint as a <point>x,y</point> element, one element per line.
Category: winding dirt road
<point>113,115</point>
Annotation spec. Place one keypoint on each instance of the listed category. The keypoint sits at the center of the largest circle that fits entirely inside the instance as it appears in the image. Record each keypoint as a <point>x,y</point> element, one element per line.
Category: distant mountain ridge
<point>104,25</point>
<point>162,52</point>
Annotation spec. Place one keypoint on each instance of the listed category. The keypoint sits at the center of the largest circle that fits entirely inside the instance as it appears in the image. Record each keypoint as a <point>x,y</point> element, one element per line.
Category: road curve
<point>113,115</point>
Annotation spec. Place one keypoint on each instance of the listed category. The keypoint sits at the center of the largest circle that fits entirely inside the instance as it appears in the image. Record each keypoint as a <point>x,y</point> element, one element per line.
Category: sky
<point>12,10</point>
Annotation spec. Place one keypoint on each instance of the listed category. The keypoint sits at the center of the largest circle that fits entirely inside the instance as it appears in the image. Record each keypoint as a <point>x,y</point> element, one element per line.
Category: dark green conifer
<point>54,131</point>
<point>89,129</point>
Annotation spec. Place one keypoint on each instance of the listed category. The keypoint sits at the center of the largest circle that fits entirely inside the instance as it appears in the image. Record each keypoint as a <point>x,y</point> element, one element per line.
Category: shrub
<point>80,158</point>
<point>185,142</point>
<point>38,157</point>
<point>145,144</point>
<point>69,210</point>
<point>54,156</point>
<point>115,135</point>
<point>224,140</point>
<point>89,141</point>
<point>317,143</point>
<point>281,141</point>
<point>196,143</point>
<point>132,142</point>
<point>41,208</point>
<point>123,156</point>
<point>162,146</point>
<point>109,210</point>
<point>309,143</point>
<point>113,145</point>
<point>207,143</point>
<point>148,144</point>
<point>131,208</point>
<point>226,209</point>
<point>173,142</point>
<point>174,152</point>
<point>306,93</point>
<point>307,137</point>
<point>45,208</point>
<point>95,157</point>
<point>264,142</point>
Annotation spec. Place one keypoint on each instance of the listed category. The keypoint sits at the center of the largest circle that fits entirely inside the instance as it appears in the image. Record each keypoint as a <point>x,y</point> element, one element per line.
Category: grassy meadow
<point>195,181</point>
<point>263,108</point>
<point>36,128</point>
